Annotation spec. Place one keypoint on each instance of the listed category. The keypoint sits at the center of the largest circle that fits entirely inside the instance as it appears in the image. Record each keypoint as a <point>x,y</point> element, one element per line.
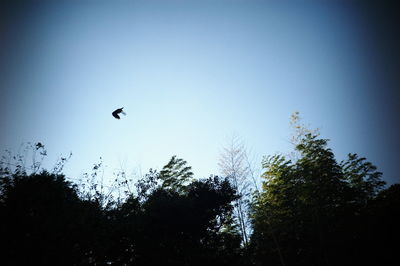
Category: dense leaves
<point>181,223</point>
<point>311,210</point>
<point>44,221</point>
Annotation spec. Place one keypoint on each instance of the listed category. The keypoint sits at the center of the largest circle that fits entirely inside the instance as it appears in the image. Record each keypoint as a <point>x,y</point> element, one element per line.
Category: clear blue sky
<point>192,73</point>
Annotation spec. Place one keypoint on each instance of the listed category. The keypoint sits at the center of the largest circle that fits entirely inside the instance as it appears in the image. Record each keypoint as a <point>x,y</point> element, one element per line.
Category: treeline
<point>310,210</point>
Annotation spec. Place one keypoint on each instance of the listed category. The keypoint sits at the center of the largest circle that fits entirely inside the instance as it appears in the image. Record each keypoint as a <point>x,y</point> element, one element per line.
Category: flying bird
<point>117,112</point>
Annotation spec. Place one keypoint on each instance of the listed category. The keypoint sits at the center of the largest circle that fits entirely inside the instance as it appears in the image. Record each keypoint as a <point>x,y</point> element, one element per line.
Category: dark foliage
<point>44,222</point>
<point>311,211</point>
<point>315,211</point>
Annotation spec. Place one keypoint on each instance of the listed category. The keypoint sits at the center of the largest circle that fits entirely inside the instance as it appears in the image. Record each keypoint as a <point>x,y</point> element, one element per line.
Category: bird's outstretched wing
<point>115,114</point>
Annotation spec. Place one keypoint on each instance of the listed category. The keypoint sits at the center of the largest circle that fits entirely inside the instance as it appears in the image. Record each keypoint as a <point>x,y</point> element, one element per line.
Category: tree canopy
<point>311,210</point>
<point>306,211</point>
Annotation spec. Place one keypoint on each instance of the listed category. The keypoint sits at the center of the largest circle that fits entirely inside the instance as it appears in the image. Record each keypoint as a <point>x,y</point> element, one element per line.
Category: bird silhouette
<point>117,112</point>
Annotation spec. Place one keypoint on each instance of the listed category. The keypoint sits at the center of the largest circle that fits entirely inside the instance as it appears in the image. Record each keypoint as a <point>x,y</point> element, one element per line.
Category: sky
<point>190,74</point>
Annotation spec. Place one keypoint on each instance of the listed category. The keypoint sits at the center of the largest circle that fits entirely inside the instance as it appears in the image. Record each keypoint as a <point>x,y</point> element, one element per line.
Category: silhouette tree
<point>308,203</point>
<point>173,219</point>
<point>44,222</point>
<point>175,175</point>
<point>311,210</point>
<point>186,228</point>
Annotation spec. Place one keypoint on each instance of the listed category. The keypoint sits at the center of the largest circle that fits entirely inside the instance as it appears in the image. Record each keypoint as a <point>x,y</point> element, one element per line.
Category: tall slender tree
<point>304,202</point>
<point>234,165</point>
